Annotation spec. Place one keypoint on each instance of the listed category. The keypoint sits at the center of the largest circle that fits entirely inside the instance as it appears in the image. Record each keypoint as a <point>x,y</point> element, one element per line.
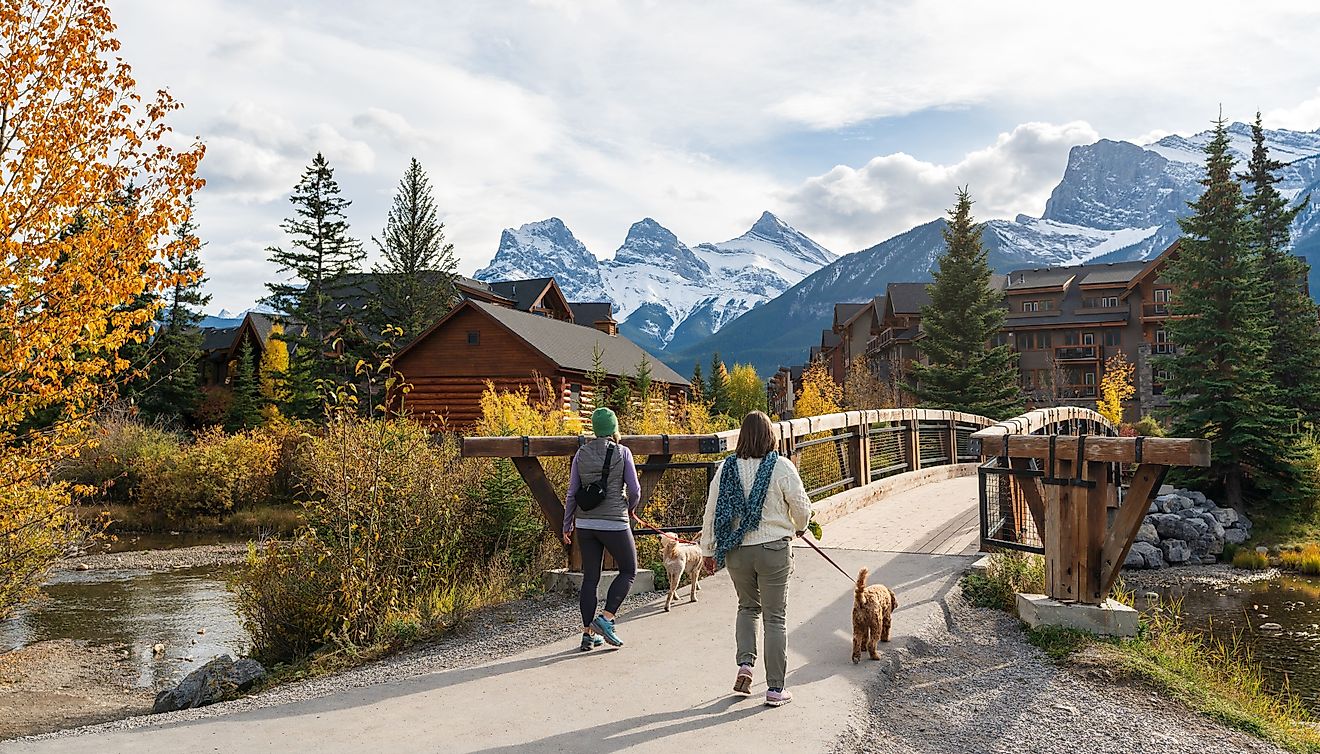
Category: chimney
<point>607,326</point>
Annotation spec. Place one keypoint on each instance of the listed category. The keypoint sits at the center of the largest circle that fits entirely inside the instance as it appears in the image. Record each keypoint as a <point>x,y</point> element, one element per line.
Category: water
<point>134,541</point>
<point>133,611</point>
<point>1289,657</point>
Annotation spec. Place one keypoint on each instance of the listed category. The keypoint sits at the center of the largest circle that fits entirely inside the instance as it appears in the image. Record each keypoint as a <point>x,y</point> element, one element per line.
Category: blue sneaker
<point>606,628</point>
<point>590,641</point>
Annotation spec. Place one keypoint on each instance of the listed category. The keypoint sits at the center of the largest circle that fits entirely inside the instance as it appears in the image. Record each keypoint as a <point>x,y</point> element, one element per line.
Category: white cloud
<point>1305,116</point>
<point>852,208</point>
<point>603,111</point>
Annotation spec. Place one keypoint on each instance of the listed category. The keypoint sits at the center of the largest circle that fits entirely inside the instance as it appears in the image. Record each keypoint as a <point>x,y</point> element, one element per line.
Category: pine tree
<point>321,257</point>
<point>1219,379</point>
<point>598,377</point>
<point>718,387</point>
<point>174,375</point>
<point>415,282</point>
<point>698,384</point>
<point>245,410</point>
<point>1295,346</point>
<point>964,372</point>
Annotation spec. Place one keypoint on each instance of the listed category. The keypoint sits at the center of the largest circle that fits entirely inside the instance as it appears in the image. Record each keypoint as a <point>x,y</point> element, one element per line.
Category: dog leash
<point>828,559</point>
<point>660,531</point>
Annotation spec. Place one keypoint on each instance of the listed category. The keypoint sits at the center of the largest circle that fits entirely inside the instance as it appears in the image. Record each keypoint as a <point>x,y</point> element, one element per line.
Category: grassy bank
<point>1217,679</point>
<point>256,521</point>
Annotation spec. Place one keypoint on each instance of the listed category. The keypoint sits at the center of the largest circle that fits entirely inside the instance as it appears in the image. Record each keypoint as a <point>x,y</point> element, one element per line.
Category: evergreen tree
<point>621,400</point>
<point>174,375</point>
<point>1295,345</point>
<point>1219,379</point>
<point>598,378</point>
<point>698,383</point>
<point>245,410</point>
<point>964,372</point>
<point>717,390</point>
<point>321,257</point>
<point>415,281</point>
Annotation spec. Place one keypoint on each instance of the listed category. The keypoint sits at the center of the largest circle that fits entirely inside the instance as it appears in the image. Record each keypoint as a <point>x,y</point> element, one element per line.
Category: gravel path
<point>973,684</point>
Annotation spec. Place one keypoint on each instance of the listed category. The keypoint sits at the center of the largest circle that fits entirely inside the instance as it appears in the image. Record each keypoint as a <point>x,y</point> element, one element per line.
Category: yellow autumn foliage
<point>79,247</point>
<point>1115,387</point>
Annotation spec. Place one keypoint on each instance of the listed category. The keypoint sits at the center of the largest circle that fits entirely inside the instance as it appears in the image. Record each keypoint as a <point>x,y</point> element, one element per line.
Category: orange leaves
<point>78,246</point>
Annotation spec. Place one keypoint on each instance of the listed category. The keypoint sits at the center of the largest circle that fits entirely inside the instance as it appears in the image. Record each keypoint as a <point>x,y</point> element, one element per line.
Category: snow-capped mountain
<point>665,293</point>
<point>1116,202</point>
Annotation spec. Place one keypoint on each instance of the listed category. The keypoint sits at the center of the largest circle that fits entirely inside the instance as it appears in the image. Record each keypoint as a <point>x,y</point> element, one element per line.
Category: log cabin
<point>450,364</point>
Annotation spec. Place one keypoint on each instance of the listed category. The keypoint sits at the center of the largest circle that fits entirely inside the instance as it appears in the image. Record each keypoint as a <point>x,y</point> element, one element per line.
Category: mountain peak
<point>545,248</point>
<point>650,243</point>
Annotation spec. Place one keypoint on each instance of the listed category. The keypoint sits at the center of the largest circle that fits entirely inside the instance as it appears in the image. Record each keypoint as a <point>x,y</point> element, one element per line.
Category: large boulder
<point>1226,516</point>
<point>211,683</point>
<point>1147,533</point>
<point>1174,526</point>
<point>1176,503</point>
<point>1196,497</point>
<point>1150,555</point>
<point>1236,535</point>
<point>1134,558</point>
<point>1246,522</point>
<point>1176,551</point>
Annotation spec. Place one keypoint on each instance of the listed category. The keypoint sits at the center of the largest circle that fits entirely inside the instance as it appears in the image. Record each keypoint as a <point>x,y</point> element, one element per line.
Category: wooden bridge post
<point>859,455</point>
<point>953,441</point>
<point>914,443</point>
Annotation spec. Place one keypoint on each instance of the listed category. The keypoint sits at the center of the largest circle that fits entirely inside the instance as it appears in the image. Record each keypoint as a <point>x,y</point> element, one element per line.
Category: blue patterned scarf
<point>737,513</point>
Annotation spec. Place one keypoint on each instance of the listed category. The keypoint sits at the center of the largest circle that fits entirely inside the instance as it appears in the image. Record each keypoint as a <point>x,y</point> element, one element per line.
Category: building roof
<point>829,339</point>
<point>907,298</point>
<point>1115,274</point>
<point>844,313</point>
<point>218,338</point>
<point>568,345</point>
<point>523,293</point>
<point>1044,277</point>
<point>589,313</point>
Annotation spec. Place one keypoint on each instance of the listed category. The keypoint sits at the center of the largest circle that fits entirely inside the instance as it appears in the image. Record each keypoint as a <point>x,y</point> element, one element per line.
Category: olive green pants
<point>760,576</point>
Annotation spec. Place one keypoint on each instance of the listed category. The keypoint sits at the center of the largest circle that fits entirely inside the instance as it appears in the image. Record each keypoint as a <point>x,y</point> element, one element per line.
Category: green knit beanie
<point>603,422</point>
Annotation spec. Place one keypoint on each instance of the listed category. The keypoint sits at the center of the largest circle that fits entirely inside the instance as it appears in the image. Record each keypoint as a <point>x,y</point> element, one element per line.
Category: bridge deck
<point>667,690</point>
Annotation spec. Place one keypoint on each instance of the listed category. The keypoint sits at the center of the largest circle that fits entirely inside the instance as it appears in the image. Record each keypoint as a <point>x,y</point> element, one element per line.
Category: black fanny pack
<point>593,493</point>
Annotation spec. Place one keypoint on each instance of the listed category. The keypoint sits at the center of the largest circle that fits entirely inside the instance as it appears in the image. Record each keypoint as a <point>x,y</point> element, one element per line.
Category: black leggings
<point>623,549</point>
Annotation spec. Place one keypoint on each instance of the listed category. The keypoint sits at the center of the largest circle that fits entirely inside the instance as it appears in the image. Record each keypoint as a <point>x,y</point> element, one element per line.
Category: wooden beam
<point>1127,522</point>
<point>1091,538</point>
<point>1059,537</point>
<point>1031,492</point>
<point>552,507</point>
<point>1163,451</point>
<point>1045,419</point>
<point>651,477</point>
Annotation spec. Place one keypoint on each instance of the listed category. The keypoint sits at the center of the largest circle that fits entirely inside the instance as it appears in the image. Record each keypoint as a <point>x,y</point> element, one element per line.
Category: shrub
<point>1250,560</point>
<point>216,474</point>
<point>1149,426</point>
<point>1304,559</point>
<point>111,465</point>
<point>385,524</point>
<point>1007,574</point>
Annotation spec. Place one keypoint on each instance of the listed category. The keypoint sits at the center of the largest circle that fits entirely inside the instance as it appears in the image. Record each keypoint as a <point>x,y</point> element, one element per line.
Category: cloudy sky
<point>851,120</point>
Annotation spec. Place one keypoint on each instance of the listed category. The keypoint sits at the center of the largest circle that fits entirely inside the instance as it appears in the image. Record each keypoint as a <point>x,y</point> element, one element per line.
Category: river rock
<point>1175,550</point>
<point>1236,536</point>
<point>1270,627</point>
<point>210,683</point>
<point>1197,498</point>
<point>1134,558</point>
<point>1225,516</point>
<point>1150,555</point>
<point>1147,533</point>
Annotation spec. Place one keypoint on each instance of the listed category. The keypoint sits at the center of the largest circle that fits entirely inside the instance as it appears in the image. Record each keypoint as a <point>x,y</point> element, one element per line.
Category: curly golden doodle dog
<point>873,611</point>
<point>681,558</point>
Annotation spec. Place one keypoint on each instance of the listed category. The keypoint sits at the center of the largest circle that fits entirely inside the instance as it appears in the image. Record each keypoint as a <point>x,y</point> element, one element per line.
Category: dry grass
<point>1303,559</point>
<point>256,521</point>
<point>1250,560</point>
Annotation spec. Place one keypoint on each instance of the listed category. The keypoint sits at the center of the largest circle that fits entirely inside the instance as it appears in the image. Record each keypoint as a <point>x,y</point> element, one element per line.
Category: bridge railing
<point>1051,484</point>
<point>846,459</point>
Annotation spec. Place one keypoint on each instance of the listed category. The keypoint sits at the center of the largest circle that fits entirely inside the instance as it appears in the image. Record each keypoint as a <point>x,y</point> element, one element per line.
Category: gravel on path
<point>972,683</point>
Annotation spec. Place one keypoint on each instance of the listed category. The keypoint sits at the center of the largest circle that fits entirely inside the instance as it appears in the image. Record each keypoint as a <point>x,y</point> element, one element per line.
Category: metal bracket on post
<point>664,444</point>
<point>1049,477</point>
<point>526,446</point>
<point>1078,481</point>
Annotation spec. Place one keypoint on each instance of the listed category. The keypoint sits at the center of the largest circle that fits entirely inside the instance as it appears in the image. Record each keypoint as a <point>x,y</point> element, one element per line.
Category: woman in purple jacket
<point>606,527</point>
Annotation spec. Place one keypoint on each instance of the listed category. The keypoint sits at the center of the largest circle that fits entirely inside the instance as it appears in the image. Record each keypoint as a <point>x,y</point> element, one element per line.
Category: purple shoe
<point>743,683</point>
<point>778,697</point>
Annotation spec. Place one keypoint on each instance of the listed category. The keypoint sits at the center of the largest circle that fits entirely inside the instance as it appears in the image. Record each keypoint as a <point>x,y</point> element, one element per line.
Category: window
<point>1113,337</point>
<point>1030,306</point>
<point>1161,336</point>
<point>474,338</point>
<point>1070,339</point>
<point>1088,378</point>
<point>575,397</point>
<point>1088,339</point>
<point>1109,302</point>
<point>1046,306</point>
<point>1162,295</point>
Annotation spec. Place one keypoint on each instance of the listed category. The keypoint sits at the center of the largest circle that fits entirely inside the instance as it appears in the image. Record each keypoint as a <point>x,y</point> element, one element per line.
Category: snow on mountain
<point>1284,145</point>
<point>1053,243</point>
<point>546,249</point>
<point>665,293</point>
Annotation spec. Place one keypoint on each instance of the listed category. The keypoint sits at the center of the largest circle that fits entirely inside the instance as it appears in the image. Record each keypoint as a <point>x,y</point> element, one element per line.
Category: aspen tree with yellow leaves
<point>74,131</point>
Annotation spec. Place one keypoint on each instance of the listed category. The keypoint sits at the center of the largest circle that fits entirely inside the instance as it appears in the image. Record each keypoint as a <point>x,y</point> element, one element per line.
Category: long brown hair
<point>757,437</point>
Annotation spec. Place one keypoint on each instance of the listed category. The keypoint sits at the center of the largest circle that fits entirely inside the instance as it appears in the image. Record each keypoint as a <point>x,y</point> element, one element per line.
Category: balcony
<point>1076,353</point>
<point>1067,392</point>
<point>1155,311</point>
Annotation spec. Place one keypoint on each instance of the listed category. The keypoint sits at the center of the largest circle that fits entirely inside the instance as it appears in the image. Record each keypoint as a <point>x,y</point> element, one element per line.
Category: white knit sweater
<point>787,507</point>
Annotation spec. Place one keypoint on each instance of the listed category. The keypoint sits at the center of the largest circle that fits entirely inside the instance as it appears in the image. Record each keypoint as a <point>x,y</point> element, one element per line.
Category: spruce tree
<point>321,256</point>
<point>598,378</point>
<point>174,375</point>
<point>1295,345</point>
<point>964,371</point>
<point>415,281</point>
<point>245,410</point>
<point>1220,382</point>
<point>698,384</point>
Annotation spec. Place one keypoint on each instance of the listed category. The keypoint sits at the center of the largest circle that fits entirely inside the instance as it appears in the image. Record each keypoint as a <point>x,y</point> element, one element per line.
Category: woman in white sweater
<point>756,505</point>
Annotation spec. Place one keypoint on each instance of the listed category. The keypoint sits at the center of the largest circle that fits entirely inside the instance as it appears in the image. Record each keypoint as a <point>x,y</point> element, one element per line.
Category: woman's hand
<point>709,565</point>
<point>568,538</point>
